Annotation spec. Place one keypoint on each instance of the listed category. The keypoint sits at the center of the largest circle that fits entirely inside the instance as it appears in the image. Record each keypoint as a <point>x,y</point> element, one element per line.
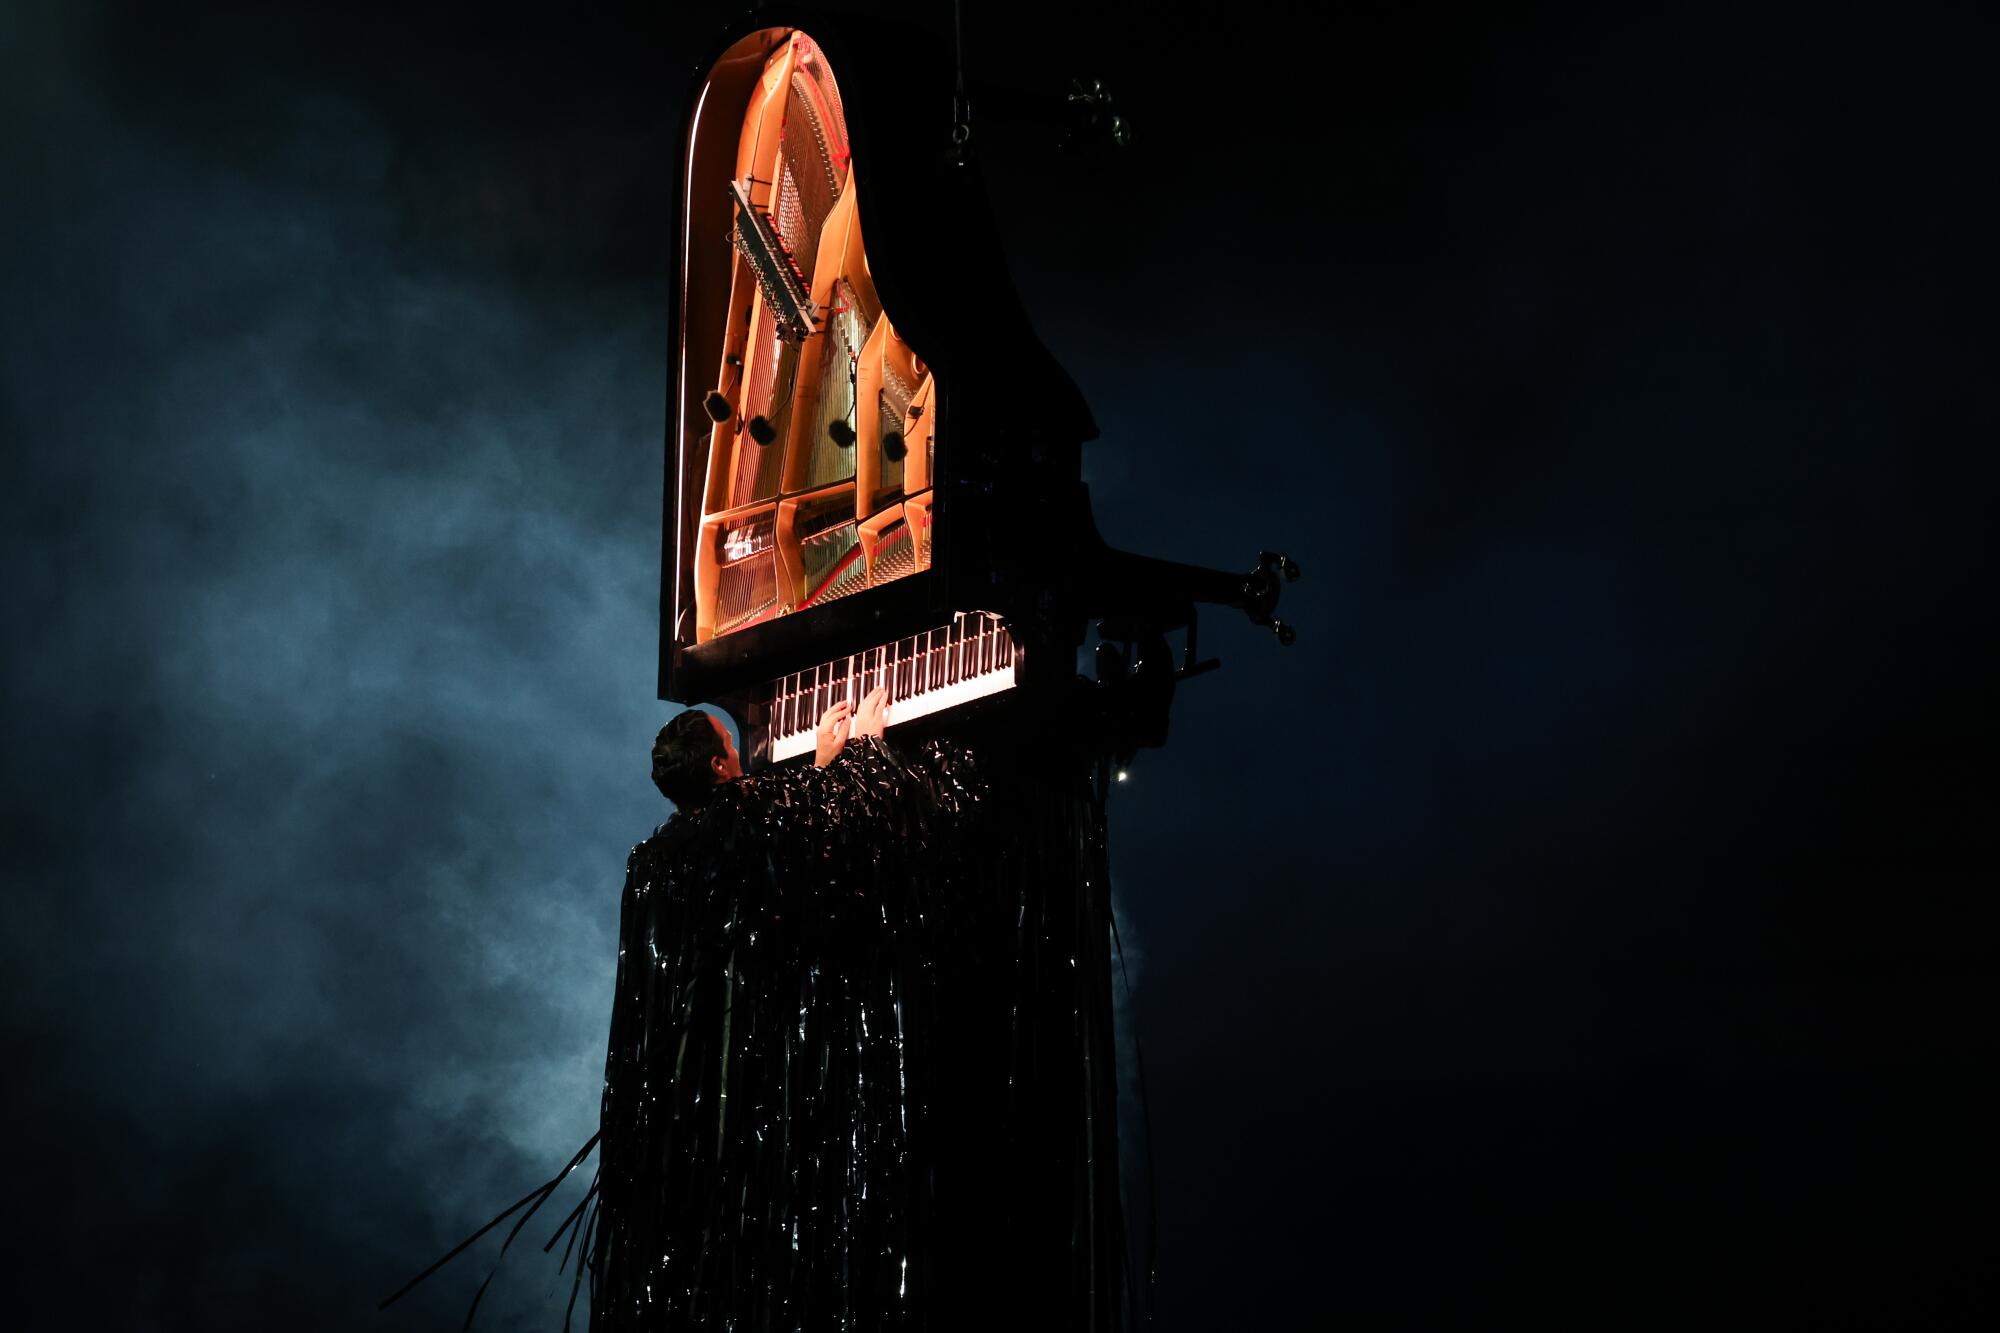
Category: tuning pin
<point>1286,634</point>
<point>762,431</point>
<point>842,433</point>
<point>717,406</point>
<point>893,447</point>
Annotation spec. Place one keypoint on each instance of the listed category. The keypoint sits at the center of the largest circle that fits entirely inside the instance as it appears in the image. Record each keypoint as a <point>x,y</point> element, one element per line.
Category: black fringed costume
<point>861,1072</point>
<point>860,1067</point>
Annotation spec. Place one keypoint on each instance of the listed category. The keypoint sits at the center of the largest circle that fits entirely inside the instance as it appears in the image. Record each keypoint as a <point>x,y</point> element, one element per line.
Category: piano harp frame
<point>991,400</point>
<point>939,275</point>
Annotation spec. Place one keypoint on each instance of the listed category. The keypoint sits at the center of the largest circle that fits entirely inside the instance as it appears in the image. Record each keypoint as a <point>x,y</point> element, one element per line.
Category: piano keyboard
<point>926,673</point>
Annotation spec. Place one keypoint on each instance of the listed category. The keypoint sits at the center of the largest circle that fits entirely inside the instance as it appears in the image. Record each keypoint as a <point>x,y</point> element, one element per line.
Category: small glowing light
<point>1122,775</point>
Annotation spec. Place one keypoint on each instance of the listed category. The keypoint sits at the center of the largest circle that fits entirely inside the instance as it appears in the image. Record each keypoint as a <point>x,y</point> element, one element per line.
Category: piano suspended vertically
<point>874,476</point>
<point>874,466</point>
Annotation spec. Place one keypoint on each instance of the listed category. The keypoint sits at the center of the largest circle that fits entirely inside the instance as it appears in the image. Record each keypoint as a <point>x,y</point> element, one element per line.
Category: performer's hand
<point>873,715</point>
<point>832,733</point>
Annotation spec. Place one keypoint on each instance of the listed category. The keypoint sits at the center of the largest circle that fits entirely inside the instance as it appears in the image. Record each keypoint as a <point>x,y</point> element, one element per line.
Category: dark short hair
<point>681,755</point>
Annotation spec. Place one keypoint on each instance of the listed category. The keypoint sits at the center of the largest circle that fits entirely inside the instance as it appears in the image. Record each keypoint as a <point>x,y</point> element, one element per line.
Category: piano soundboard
<point>969,659</point>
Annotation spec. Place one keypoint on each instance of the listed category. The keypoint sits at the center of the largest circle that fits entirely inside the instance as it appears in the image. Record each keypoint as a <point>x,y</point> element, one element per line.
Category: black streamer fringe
<point>861,1073</point>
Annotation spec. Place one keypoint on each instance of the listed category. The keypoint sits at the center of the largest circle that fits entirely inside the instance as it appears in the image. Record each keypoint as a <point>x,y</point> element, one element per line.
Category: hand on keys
<point>832,733</point>
<point>874,713</point>
<point>837,723</point>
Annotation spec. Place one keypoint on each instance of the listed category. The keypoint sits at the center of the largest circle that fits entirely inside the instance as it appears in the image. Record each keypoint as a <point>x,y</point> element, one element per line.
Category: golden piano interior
<point>822,443</point>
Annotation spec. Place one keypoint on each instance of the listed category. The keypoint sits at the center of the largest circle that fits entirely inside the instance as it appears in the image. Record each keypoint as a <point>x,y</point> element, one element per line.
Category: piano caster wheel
<point>1286,634</point>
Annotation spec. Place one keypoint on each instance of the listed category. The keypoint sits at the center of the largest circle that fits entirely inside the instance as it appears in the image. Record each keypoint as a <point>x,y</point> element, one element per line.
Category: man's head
<point>692,754</point>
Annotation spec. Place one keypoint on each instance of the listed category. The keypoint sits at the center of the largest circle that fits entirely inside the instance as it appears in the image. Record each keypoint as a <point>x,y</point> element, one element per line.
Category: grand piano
<point>874,477</point>
<point>873,465</point>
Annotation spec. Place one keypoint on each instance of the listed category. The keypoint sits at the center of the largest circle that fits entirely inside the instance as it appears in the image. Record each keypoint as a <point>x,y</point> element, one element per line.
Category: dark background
<point>1586,923</point>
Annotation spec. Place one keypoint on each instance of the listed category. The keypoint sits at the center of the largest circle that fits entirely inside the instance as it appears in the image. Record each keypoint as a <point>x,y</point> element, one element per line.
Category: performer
<point>771,1146</point>
<point>847,1046</point>
<point>695,753</point>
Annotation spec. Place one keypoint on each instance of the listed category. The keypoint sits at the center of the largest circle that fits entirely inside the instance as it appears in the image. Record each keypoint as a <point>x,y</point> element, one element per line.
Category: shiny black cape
<point>860,1062</point>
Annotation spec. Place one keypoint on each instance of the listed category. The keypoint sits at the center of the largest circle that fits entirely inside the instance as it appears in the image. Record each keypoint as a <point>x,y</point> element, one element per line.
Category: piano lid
<point>857,390</point>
